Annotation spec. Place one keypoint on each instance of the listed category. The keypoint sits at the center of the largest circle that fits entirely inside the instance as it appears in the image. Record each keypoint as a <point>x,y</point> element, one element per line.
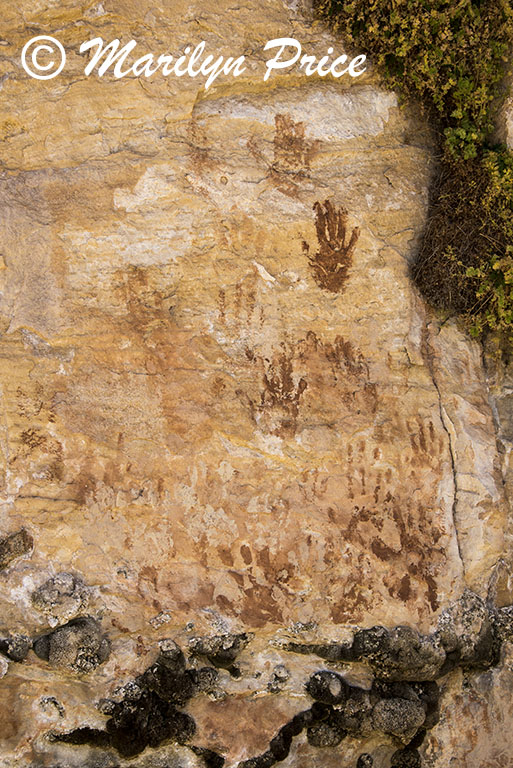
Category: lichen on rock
<point>61,597</point>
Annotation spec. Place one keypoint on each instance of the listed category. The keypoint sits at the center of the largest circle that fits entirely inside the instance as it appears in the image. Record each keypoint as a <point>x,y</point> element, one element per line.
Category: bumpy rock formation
<point>13,546</point>
<point>229,423</point>
<point>78,645</point>
<point>61,597</point>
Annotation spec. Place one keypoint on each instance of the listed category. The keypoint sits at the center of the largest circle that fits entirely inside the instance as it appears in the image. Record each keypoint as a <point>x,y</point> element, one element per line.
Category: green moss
<point>447,54</point>
<point>465,259</point>
<point>450,56</point>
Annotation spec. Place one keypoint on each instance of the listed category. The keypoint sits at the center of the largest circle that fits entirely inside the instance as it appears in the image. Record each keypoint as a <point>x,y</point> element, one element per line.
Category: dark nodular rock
<point>406,758</point>
<point>398,717</point>
<point>206,679</point>
<point>503,624</point>
<point>403,710</point>
<point>278,679</point>
<point>356,713</point>
<point>15,647</point>
<point>15,545</point>
<point>170,685</point>
<point>400,653</point>
<point>135,725</point>
<point>265,760</point>
<point>51,704</point>
<point>324,728</point>
<point>327,651</point>
<point>170,679</point>
<point>149,713</point>
<point>393,654</point>
<point>80,645</point>
<point>147,722</point>
<point>62,596</point>
<point>328,687</point>
<point>210,758</point>
<point>467,632</point>
<point>221,650</point>
<point>171,655</point>
<point>325,734</point>
<point>402,702</point>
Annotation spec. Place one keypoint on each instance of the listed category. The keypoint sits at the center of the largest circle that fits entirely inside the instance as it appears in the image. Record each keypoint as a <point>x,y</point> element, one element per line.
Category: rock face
<point>230,424</point>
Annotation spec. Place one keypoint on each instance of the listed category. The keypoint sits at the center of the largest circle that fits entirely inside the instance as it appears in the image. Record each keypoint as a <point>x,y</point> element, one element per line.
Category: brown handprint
<point>276,410</point>
<point>292,155</point>
<point>292,151</point>
<point>280,396</point>
<point>332,261</point>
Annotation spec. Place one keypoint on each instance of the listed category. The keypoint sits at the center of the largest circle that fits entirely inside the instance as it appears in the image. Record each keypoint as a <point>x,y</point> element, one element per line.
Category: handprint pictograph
<point>331,262</point>
<point>281,395</point>
<point>292,150</point>
<point>292,155</point>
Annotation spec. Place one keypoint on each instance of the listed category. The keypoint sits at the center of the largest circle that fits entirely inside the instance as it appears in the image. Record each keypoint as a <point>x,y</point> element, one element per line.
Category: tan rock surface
<point>214,408</point>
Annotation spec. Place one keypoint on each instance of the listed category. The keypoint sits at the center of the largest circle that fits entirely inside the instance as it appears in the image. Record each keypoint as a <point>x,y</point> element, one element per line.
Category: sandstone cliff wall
<point>229,420</point>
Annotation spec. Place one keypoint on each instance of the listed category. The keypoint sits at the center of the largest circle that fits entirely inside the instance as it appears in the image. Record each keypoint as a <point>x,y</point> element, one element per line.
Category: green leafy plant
<point>450,55</point>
